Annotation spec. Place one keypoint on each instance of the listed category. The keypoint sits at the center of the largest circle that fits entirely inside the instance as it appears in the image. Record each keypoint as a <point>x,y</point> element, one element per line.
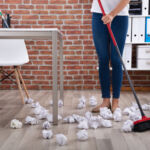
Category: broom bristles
<point>142,125</point>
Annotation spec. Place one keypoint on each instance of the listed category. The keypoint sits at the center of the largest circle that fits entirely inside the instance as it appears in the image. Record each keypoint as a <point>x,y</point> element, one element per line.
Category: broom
<point>144,123</point>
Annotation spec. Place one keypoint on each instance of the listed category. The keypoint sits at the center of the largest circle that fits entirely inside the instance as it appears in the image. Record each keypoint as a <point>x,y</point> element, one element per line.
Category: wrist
<point>113,14</point>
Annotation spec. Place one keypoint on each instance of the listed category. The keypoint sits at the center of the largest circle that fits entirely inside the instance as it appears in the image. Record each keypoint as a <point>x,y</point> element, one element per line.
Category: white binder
<point>145,9</point>
<point>127,56</point>
<point>128,38</point>
<point>138,30</point>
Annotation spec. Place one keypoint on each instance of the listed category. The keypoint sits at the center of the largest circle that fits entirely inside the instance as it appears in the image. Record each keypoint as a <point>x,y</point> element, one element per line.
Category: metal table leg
<point>61,71</point>
<point>54,74</point>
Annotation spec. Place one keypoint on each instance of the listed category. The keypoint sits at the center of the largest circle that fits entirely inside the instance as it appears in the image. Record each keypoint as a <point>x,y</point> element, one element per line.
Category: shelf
<point>132,69</point>
<point>139,43</point>
<point>139,16</point>
<point>129,44</point>
<point>135,69</point>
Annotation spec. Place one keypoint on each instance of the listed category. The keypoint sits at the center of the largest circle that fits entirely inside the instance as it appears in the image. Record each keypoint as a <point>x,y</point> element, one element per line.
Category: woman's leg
<point>101,37</point>
<point>119,27</point>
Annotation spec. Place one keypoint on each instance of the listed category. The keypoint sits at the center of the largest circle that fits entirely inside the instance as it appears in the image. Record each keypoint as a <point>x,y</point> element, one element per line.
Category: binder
<point>149,7</point>
<point>145,8</point>
<point>127,56</point>
<point>147,29</point>
<point>138,30</point>
<point>135,7</point>
<point>128,37</point>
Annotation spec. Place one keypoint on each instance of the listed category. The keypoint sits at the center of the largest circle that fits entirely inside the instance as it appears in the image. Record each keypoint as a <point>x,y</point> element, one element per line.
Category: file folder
<point>128,37</point>
<point>138,30</point>
<point>149,7</point>
<point>147,29</point>
<point>127,56</point>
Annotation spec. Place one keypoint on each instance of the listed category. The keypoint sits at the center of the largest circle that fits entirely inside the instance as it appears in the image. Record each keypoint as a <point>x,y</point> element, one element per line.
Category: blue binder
<point>147,29</point>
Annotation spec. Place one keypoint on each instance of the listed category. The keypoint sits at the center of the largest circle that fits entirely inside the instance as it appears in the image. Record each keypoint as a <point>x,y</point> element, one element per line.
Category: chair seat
<point>7,63</point>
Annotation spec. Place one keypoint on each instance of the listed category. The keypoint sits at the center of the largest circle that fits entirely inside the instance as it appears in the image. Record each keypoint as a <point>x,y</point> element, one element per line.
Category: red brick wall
<point>73,18</point>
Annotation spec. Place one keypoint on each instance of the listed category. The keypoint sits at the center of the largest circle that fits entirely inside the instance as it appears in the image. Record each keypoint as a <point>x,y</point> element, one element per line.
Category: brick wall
<point>73,18</point>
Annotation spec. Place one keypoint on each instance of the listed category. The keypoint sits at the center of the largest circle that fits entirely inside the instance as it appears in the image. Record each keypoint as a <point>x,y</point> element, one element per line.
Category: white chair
<point>13,52</point>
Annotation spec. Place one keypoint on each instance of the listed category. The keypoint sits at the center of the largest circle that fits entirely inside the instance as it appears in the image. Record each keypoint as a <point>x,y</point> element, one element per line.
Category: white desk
<point>43,34</point>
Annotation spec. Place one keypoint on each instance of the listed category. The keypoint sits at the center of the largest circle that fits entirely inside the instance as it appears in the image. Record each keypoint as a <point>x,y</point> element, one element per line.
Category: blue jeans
<point>106,51</point>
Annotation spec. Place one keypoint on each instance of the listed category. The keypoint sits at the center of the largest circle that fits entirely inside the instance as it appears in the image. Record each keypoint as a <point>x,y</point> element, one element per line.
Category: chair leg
<point>19,85</point>
<point>24,86</point>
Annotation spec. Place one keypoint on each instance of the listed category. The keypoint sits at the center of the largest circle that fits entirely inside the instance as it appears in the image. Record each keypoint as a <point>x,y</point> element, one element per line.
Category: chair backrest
<point>13,52</point>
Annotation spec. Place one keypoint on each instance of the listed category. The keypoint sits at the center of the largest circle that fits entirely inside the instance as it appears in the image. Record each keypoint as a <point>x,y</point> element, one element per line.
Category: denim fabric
<point>106,51</point>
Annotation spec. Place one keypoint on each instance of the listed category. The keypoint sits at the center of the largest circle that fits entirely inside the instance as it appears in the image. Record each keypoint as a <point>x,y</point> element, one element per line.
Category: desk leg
<point>54,74</point>
<point>61,71</point>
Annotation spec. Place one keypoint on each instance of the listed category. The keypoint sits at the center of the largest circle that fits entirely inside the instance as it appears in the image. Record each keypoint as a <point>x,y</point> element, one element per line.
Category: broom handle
<point>118,51</point>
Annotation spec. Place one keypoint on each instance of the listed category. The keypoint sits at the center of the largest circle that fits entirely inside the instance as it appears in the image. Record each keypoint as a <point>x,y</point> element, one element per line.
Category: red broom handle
<point>108,25</point>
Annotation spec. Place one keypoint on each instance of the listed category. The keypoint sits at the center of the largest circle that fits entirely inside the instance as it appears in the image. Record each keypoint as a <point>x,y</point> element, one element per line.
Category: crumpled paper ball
<point>34,105</point>
<point>96,118</point>
<point>15,124</point>
<point>134,116</point>
<point>127,126</point>
<point>82,135</point>
<point>88,115</point>
<point>126,111</point>
<point>83,125</point>
<point>82,103</point>
<point>78,118</point>
<point>60,103</point>
<point>46,125</point>
<point>82,99</point>
<point>146,107</point>
<point>28,100</point>
<point>42,114</point>
<point>47,134</point>
<point>117,115</point>
<point>97,121</point>
<point>134,105</point>
<point>61,139</point>
<point>38,110</point>
<point>69,119</point>
<point>106,113</point>
<point>31,120</point>
<point>106,123</point>
<point>131,109</point>
<point>93,101</point>
<point>94,122</point>
<point>49,117</point>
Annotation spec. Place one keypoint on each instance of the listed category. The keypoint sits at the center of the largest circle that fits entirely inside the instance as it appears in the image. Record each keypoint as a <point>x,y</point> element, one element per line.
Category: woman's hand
<point>108,18</point>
